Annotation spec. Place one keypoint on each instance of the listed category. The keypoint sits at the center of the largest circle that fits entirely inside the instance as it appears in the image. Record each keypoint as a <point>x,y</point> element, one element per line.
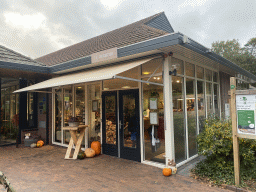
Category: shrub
<point>216,143</point>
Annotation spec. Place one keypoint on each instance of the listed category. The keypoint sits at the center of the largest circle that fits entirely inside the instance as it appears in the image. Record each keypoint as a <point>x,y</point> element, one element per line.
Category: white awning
<point>86,76</point>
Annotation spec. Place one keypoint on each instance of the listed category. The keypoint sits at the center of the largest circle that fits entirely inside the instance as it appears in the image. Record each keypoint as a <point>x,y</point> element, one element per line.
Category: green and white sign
<point>246,111</point>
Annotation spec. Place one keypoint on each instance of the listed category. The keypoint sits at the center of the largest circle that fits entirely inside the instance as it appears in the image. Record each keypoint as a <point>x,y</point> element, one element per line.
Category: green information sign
<point>245,119</point>
<point>232,86</point>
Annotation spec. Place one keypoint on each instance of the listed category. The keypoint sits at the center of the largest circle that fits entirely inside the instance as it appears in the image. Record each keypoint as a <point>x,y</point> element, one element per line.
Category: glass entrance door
<point>121,124</point>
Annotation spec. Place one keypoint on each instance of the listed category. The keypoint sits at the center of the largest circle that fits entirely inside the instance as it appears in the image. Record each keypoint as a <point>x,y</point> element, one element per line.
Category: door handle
<point>120,124</point>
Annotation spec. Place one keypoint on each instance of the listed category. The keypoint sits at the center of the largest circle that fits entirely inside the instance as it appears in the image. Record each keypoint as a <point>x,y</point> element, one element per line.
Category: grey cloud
<point>80,20</point>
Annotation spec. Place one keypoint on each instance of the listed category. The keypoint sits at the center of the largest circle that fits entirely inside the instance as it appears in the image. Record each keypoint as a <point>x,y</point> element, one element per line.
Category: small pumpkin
<point>96,146</point>
<point>40,142</point>
<point>33,145</point>
<point>167,172</point>
<point>81,155</point>
<point>39,145</point>
<point>89,152</point>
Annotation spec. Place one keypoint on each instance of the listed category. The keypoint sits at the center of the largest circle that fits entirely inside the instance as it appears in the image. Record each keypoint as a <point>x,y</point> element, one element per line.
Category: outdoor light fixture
<point>146,73</point>
<point>174,68</point>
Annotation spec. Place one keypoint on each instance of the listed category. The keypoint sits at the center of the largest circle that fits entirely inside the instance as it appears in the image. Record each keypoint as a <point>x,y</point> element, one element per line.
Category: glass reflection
<point>58,115</point>
<point>154,137</point>
<point>201,105</point>
<point>191,116</point>
<point>130,121</point>
<point>178,119</point>
<point>110,107</point>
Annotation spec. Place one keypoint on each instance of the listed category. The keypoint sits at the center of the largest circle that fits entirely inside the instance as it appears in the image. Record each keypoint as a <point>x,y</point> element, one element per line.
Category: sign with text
<point>104,55</point>
<point>246,111</point>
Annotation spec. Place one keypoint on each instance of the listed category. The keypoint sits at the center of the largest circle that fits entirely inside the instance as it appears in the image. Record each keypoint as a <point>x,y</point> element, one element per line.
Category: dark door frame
<point>119,150</point>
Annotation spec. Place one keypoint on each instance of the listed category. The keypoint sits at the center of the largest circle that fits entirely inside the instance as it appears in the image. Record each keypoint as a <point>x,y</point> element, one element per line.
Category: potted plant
<point>73,122</point>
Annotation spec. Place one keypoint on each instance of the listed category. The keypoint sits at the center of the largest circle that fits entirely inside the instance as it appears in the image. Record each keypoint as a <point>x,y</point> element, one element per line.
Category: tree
<point>242,56</point>
<point>250,46</point>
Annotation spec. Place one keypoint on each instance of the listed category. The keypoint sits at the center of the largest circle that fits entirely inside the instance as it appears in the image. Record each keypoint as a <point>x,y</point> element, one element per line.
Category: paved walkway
<point>44,169</point>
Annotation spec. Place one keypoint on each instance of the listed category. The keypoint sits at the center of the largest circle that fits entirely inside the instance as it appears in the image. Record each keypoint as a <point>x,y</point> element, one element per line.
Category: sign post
<point>234,131</point>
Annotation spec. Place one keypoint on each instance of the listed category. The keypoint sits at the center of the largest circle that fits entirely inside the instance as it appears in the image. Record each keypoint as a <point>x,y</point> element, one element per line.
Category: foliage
<point>242,56</point>
<point>216,144</point>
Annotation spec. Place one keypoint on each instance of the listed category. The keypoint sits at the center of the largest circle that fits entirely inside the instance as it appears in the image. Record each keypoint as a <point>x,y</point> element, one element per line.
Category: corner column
<point>168,114</point>
<point>22,109</point>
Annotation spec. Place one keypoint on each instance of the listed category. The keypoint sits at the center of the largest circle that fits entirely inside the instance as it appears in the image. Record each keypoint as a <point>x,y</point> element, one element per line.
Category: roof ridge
<point>19,54</point>
<point>142,21</point>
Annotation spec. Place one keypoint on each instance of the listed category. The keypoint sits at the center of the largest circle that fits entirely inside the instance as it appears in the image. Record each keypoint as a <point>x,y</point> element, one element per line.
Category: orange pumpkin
<point>96,146</point>
<point>40,142</point>
<point>167,172</point>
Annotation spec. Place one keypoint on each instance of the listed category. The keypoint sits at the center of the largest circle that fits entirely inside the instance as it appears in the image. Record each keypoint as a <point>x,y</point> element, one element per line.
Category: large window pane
<point>178,118</point>
<point>189,69</point>
<point>80,106</point>
<point>94,115</point>
<point>209,99</point>
<point>200,72</point>
<point>152,66</point>
<point>208,75</point>
<point>216,100</point>
<point>111,119</point>
<point>58,115</point>
<point>180,69</point>
<point>154,137</point>
<point>68,99</point>
<point>191,116</point>
<point>201,105</point>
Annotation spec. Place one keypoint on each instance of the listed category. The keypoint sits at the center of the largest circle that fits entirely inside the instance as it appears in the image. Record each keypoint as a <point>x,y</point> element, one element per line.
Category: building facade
<point>143,90</point>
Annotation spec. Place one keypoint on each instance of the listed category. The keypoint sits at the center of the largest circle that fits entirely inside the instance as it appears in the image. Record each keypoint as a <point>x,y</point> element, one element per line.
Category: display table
<point>73,140</point>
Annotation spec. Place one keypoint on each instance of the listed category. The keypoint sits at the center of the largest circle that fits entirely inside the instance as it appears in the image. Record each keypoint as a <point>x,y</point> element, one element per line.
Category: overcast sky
<point>38,27</point>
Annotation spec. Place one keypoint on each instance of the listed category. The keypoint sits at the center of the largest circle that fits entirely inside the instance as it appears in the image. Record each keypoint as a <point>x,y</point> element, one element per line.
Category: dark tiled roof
<point>10,56</point>
<point>130,34</point>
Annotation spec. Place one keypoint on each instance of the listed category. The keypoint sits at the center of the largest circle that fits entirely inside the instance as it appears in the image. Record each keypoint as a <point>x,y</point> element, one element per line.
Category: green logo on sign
<point>232,86</point>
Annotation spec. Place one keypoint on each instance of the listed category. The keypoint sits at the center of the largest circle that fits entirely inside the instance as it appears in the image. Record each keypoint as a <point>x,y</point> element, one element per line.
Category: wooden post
<point>234,131</point>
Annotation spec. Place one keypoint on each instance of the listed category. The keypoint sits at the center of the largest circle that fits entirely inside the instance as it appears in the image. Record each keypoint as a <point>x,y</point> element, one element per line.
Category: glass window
<point>215,76</point>
<point>113,84</point>
<point>111,121</point>
<point>94,101</point>
<point>201,105</point>
<point>80,106</point>
<point>209,99</point>
<point>189,69</point>
<point>191,116</point>
<point>216,100</point>
<point>178,118</point>
<point>154,138</point>
<point>152,66</point>
<point>30,109</point>
<point>200,72</point>
<point>68,113</point>
<point>79,103</point>
<point>180,69</point>
<point>58,115</point>
<point>208,75</point>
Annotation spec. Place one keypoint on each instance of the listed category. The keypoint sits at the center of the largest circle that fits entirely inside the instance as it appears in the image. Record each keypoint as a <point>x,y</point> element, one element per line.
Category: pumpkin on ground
<point>33,145</point>
<point>81,155</point>
<point>96,146</point>
<point>39,145</point>
<point>40,142</point>
<point>89,152</point>
<point>167,172</point>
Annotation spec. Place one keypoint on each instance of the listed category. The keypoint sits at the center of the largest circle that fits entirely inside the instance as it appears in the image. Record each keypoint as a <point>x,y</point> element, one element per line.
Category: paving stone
<point>45,169</point>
